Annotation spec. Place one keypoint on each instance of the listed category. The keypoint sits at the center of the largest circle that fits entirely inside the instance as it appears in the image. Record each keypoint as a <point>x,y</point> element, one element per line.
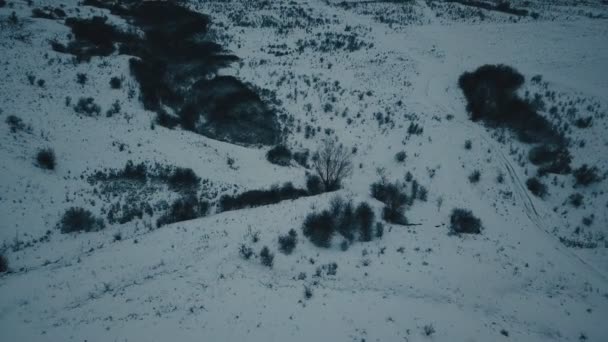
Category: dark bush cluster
<point>116,82</point>
<point>266,257</point>
<point>3,263</point>
<point>183,209</point>
<point>45,158</point>
<point>475,176</point>
<point>576,199</point>
<point>586,175</point>
<point>314,184</point>
<point>463,221</point>
<point>343,218</point>
<point>87,106</point>
<point>15,124</point>
<point>394,196</point>
<point>536,187</point>
<point>279,155</point>
<point>183,179</point>
<point>287,243</point>
<point>491,96</point>
<point>400,156</point>
<point>78,219</point>
<point>256,198</point>
<point>47,13</point>
<point>245,251</point>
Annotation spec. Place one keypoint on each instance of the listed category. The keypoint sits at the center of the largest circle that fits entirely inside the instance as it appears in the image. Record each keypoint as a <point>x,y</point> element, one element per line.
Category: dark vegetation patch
<point>279,155</point>
<point>536,187</point>
<point>48,13</point>
<point>397,198</point>
<point>87,106</point>
<point>462,221</point>
<point>266,257</point>
<point>287,243</point>
<point>183,209</point>
<point>343,218</point>
<point>586,175</point>
<point>78,219</point>
<point>256,198</point>
<point>3,263</point>
<point>491,96</point>
<point>45,158</point>
<point>331,41</point>
<point>16,124</point>
<point>175,64</point>
<point>500,6</point>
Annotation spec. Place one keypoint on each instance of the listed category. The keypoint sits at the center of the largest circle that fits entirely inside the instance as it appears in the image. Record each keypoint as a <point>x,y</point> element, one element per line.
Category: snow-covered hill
<point>381,78</point>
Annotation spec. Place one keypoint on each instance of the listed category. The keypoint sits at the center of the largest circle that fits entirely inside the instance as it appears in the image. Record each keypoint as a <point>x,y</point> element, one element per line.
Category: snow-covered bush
<point>256,198</point>
<point>45,159</point>
<point>245,251</point>
<point>314,185</point>
<point>463,221</point>
<point>183,179</point>
<point>78,219</point>
<point>87,106</point>
<point>400,156</point>
<point>474,176</point>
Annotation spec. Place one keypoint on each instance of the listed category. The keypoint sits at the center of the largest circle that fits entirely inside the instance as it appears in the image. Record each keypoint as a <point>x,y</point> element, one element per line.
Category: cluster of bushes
<point>491,96</point>
<point>45,158</point>
<point>178,179</point>
<point>256,198</point>
<point>586,175</point>
<point>395,198</point>
<point>87,106</point>
<point>15,124</point>
<point>183,209</point>
<point>77,219</point>
<point>462,221</point>
<point>266,257</point>
<point>342,217</point>
<point>128,211</point>
<point>48,13</point>
<point>500,6</point>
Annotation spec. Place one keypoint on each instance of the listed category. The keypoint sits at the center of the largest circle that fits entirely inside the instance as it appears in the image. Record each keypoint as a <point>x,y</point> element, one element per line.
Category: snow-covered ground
<point>187,282</point>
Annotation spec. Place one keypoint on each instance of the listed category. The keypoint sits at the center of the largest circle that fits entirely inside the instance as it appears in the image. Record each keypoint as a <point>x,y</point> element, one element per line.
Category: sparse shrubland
<point>586,175</point>
<point>288,242</point>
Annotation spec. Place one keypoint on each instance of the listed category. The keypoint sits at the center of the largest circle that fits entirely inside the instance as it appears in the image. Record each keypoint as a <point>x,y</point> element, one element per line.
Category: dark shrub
<point>467,144</point>
<point>536,187</point>
<point>301,158</point>
<point>245,252</point>
<point>279,155</point>
<point>183,179</point>
<point>256,198</point>
<point>46,159</point>
<point>344,213</point>
<point>266,257</point>
<point>183,209</point>
<point>474,176</point>
<point>3,264</point>
<point>400,156</point>
<point>394,197</point>
<point>319,228</point>
<point>584,122</point>
<point>379,229</point>
<point>576,200</point>
<point>365,219</point>
<point>77,219</point>
<point>87,106</point>
<point>314,185</point>
<point>332,163</point>
<point>414,128</point>
<point>15,124</point>
<point>463,221</point>
<point>81,78</point>
<point>288,242</point>
<point>115,82</point>
<point>586,175</point>
<point>131,171</point>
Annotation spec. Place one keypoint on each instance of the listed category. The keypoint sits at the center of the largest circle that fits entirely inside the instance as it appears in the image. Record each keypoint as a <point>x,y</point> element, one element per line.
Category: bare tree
<point>332,163</point>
